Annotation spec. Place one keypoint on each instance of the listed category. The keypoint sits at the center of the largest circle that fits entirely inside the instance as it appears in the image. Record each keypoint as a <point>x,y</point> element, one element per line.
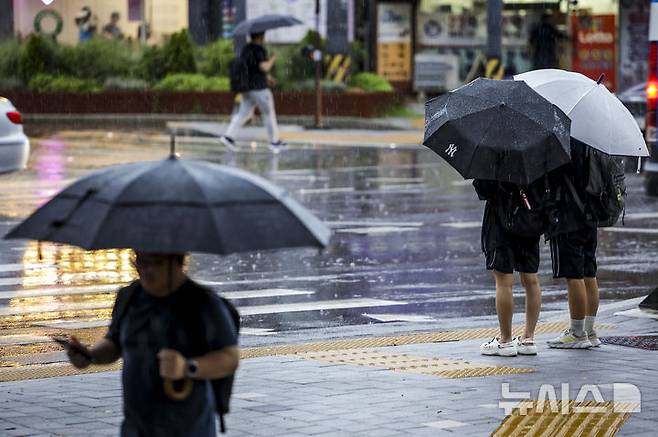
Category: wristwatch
<point>191,368</point>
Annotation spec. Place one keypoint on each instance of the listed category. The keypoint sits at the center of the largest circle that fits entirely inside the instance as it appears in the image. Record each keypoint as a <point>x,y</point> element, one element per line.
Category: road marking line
<point>375,230</point>
<point>400,317</point>
<point>367,223</point>
<point>72,291</point>
<point>257,331</point>
<point>631,230</point>
<point>463,183</point>
<point>244,310</point>
<point>326,190</point>
<point>462,225</point>
<point>6,268</point>
<point>641,215</point>
<point>316,306</point>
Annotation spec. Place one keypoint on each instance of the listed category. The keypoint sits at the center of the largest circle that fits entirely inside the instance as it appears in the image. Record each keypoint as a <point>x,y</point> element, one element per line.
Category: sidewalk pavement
<point>38,122</point>
<point>324,393</point>
<point>295,134</point>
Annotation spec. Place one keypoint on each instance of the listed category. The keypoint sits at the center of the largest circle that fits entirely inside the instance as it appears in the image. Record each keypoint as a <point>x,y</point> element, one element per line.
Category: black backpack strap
<point>124,296</point>
<point>574,193</point>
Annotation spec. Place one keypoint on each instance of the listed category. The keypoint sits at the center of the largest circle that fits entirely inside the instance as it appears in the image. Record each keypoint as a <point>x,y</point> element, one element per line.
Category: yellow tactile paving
<point>50,371</point>
<point>427,337</point>
<point>549,419</point>
<point>447,368</point>
<point>90,335</point>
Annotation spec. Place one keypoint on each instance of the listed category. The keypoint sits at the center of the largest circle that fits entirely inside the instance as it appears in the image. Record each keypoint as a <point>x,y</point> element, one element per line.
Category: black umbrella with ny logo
<point>497,130</point>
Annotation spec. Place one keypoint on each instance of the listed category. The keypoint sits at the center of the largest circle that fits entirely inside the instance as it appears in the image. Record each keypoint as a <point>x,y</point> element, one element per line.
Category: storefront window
<point>458,29</point>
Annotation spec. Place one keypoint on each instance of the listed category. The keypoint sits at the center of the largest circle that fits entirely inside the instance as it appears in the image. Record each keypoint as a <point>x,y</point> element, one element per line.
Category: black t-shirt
<point>252,55</point>
<point>149,325</point>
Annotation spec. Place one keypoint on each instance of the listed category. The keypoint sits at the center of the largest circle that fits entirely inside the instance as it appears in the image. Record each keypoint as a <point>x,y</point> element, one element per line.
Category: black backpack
<point>239,75</point>
<point>222,387</point>
<point>522,208</point>
<point>604,199</point>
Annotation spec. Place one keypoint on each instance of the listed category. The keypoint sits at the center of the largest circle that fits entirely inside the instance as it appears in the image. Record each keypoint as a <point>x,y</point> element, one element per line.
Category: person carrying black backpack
<point>167,328</point>
<point>513,222</point>
<point>249,76</point>
<point>590,192</point>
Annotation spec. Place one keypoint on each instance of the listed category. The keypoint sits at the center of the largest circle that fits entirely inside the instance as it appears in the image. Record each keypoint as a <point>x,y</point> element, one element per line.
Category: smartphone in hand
<point>67,345</point>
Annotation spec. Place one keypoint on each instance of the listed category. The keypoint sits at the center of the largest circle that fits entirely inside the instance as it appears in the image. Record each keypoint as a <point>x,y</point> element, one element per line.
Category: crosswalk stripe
<point>316,306</point>
<point>244,310</point>
<point>462,225</point>
<point>99,289</point>
<point>374,223</point>
<point>631,230</point>
<point>376,230</point>
<point>640,215</point>
<point>7,268</point>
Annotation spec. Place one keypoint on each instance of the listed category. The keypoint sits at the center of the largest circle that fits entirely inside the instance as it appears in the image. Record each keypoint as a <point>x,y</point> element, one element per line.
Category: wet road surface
<point>406,242</point>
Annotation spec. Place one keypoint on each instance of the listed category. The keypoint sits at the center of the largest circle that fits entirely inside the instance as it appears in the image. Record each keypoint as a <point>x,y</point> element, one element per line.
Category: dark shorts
<point>514,253</point>
<point>574,254</point>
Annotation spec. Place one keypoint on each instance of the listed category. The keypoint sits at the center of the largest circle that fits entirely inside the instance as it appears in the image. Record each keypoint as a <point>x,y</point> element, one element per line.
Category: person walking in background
<point>512,225</point>
<point>112,30</point>
<point>544,40</point>
<point>257,65</point>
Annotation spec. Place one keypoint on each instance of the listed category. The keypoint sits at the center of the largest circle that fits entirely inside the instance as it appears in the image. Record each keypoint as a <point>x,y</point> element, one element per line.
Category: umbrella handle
<point>172,393</point>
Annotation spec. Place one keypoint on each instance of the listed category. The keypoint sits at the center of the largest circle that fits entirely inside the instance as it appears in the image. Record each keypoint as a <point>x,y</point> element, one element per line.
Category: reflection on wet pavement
<point>406,243</point>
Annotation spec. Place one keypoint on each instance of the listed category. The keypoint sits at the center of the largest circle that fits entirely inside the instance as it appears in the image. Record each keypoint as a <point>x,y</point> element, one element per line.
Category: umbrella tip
<point>601,77</point>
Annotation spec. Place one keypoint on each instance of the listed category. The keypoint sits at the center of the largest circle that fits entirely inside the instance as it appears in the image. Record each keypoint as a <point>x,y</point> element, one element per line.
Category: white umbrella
<point>598,118</point>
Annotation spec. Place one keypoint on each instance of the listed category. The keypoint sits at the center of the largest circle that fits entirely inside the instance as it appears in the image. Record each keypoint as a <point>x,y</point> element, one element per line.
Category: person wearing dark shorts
<point>506,253</point>
<point>573,254</point>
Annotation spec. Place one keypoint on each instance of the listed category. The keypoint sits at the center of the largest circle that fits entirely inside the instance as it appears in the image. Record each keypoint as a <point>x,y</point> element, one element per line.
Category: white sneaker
<point>494,347</point>
<point>277,146</point>
<point>568,340</point>
<point>229,143</point>
<point>525,346</point>
<point>594,339</point>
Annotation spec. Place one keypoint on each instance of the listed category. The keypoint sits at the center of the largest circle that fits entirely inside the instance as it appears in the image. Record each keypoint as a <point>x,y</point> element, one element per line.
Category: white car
<point>14,145</point>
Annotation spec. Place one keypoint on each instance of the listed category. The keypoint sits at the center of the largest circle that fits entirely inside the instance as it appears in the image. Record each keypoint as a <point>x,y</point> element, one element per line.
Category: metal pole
<point>317,57</point>
<point>143,25</point>
<point>494,20</point>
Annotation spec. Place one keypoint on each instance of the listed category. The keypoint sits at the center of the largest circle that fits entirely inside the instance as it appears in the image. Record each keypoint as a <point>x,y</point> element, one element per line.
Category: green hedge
<point>37,56</point>
<point>96,59</point>
<point>192,82</point>
<point>370,82</point>
<point>49,83</point>
<point>100,63</point>
<point>179,53</point>
<point>309,85</point>
<point>10,53</point>
<point>213,59</point>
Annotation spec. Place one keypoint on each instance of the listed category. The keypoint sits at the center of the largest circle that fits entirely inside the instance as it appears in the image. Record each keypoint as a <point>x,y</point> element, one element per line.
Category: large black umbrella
<point>264,23</point>
<point>497,130</point>
<point>174,206</point>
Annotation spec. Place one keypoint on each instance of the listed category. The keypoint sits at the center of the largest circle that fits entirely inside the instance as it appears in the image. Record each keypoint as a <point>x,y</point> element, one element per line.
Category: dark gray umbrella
<point>264,23</point>
<point>498,130</point>
<point>174,206</point>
